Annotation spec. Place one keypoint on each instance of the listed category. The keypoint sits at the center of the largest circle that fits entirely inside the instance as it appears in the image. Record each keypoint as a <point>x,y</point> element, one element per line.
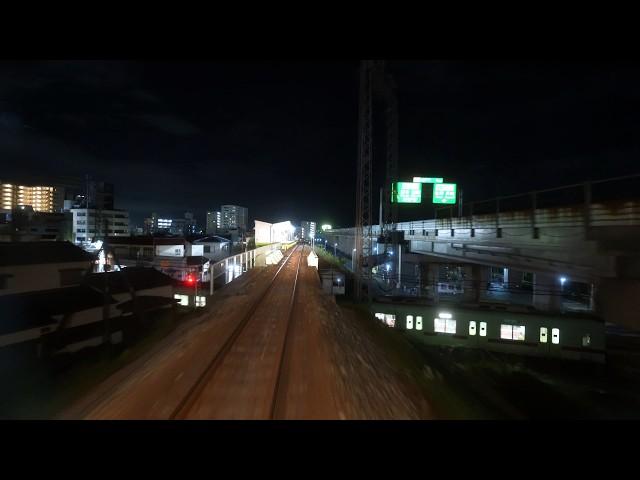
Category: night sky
<point>280,137</point>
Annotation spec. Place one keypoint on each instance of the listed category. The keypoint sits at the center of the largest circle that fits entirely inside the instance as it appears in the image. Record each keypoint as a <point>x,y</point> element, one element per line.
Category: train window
<point>184,299</point>
<point>390,320</point>
<point>483,329</point>
<point>409,322</point>
<point>586,340</point>
<point>555,336</point>
<point>518,332</point>
<point>418,323</point>
<point>512,332</point>
<point>472,327</point>
<point>506,331</point>
<point>444,323</point>
<point>543,334</point>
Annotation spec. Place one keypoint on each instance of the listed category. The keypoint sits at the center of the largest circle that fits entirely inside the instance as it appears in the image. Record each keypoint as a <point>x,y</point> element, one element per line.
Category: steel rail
<point>185,405</point>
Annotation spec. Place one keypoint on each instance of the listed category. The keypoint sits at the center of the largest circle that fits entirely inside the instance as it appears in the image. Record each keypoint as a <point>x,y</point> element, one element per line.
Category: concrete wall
<point>618,301</point>
<point>170,250</point>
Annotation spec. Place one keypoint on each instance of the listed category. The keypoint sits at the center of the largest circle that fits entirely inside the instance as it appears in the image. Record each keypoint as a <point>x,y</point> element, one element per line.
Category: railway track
<point>186,405</point>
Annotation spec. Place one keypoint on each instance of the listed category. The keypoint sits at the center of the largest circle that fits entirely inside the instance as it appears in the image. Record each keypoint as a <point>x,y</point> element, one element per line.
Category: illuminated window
<point>409,322</point>
<point>555,336</point>
<point>201,301</point>
<point>483,329</point>
<point>586,340</point>
<point>390,320</point>
<point>444,325</point>
<point>543,334</point>
<point>518,332</point>
<point>184,299</point>
<point>512,332</point>
<point>418,323</point>
<point>380,316</point>
<point>472,327</point>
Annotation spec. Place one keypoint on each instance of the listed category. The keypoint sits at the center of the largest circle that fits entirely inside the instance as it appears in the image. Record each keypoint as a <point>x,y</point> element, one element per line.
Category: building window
<point>409,322</point>
<point>201,301</point>
<point>472,327</point>
<point>586,340</point>
<point>512,332</point>
<point>418,323</point>
<point>483,329</point>
<point>555,336</point>
<point>543,334</point>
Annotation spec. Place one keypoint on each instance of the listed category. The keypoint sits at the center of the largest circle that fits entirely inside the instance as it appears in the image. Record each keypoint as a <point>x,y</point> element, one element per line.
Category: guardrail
<point>235,265</point>
<point>577,207</point>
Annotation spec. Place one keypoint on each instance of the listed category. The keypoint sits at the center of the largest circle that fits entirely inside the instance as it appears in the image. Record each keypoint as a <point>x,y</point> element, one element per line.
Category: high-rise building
<point>234,217</point>
<point>40,197</point>
<point>214,223</point>
<point>91,194</point>
<point>174,226</point>
<point>307,230</point>
<point>90,224</point>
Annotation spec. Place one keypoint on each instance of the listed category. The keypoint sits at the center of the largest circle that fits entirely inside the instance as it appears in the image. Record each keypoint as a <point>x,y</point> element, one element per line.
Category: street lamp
<point>335,247</point>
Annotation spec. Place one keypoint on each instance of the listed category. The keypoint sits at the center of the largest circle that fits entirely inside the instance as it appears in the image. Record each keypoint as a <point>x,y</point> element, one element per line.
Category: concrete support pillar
<point>433,276</point>
<point>547,292</point>
<point>618,301</point>
<point>476,278</point>
<point>515,276</point>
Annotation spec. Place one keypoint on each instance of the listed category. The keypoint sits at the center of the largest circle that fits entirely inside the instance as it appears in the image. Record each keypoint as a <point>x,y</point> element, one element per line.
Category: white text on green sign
<point>444,193</point>
<point>427,180</point>
<point>406,192</point>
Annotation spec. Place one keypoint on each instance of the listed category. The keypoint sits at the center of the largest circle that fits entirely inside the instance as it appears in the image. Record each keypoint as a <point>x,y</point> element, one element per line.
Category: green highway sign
<point>427,180</point>
<point>444,193</point>
<point>406,192</point>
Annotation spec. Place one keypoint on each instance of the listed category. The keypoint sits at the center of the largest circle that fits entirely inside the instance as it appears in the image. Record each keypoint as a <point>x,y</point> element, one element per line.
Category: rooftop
<point>146,240</point>
<point>139,278</point>
<point>40,252</point>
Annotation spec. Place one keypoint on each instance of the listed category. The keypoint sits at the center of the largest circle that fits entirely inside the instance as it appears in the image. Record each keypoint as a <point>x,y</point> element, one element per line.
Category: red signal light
<point>190,280</point>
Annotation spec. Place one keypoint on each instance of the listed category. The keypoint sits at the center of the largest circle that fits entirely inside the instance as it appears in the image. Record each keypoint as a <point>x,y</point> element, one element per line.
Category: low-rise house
<point>36,266</point>
<point>173,256</point>
<point>68,319</point>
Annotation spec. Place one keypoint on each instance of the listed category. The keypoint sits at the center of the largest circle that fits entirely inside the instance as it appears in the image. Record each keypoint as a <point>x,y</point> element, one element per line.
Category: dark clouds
<point>280,138</point>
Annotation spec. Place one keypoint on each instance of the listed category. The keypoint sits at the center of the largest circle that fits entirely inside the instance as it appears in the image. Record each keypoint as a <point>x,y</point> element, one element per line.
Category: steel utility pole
<point>364,174</point>
<point>374,82</point>
<point>391,172</point>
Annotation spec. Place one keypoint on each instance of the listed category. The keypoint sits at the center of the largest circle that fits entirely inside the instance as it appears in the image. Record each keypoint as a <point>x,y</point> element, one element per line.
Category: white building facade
<point>90,224</point>
<point>273,232</point>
